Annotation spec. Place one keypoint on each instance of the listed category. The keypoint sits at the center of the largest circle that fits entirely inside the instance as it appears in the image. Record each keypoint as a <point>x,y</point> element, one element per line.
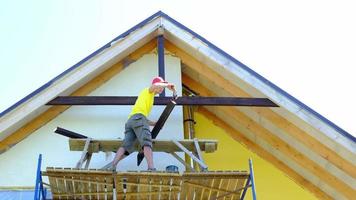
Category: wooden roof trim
<point>277,143</point>
<point>239,137</point>
<point>303,137</point>
<point>230,67</point>
<point>53,112</point>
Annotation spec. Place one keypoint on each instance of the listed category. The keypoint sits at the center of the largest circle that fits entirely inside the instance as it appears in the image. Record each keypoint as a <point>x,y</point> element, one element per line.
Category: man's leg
<point>119,156</point>
<point>126,147</point>
<point>147,151</point>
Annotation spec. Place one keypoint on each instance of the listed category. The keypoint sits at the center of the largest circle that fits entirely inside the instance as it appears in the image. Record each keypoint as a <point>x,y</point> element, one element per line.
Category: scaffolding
<point>80,183</point>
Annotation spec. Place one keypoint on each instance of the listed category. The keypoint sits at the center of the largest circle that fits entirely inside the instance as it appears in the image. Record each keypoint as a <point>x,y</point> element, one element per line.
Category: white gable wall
<point>18,165</point>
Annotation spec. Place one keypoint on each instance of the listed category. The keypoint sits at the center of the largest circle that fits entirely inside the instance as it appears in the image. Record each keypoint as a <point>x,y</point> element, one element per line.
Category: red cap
<point>159,81</point>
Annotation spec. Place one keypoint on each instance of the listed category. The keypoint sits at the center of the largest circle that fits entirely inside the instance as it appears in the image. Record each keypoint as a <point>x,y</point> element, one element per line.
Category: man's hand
<point>172,88</point>
<point>151,123</point>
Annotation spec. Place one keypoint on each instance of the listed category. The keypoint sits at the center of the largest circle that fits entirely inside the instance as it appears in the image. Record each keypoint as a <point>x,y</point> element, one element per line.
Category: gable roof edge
<point>264,80</point>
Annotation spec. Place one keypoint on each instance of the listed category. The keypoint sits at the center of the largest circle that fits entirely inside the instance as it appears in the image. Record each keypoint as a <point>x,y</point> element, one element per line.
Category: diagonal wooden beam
<point>277,143</point>
<point>53,112</point>
<point>282,123</point>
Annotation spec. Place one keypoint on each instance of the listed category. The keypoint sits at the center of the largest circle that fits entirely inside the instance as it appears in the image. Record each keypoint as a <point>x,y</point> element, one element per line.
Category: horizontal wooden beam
<point>168,146</point>
<point>130,100</point>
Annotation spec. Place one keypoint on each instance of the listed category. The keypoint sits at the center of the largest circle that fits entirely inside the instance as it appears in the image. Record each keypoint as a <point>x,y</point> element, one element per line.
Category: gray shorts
<point>137,130</point>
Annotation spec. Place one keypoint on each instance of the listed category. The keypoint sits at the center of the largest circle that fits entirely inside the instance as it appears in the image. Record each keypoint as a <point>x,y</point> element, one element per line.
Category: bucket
<point>172,168</point>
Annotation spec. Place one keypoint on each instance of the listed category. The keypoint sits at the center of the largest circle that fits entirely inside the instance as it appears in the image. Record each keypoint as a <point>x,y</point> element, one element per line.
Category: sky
<point>306,47</point>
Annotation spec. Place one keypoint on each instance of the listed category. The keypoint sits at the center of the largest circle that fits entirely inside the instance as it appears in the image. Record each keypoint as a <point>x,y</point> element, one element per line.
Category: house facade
<point>297,153</point>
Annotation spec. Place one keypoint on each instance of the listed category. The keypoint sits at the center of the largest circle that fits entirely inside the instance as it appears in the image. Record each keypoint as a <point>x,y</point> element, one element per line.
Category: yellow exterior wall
<point>271,183</point>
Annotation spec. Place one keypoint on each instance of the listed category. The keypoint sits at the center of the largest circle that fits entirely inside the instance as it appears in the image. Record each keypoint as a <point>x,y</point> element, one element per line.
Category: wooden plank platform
<point>98,184</point>
<point>208,146</point>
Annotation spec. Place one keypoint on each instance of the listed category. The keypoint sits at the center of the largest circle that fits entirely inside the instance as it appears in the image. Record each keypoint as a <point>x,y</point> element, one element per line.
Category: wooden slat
<point>199,191</point>
<point>61,186</point>
<point>217,184</point>
<point>158,144</point>
<point>53,183</point>
<point>109,188</point>
<point>184,190</point>
<point>224,185</point>
<point>94,186</point>
<point>240,184</point>
<point>131,188</point>
<point>206,192</point>
<point>69,183</point>
<point>191,189</point>
<point>175,181</point>
<point>164,182</point>
<point>231,187</point>
<point>156,186</point>
<point>144,187</point>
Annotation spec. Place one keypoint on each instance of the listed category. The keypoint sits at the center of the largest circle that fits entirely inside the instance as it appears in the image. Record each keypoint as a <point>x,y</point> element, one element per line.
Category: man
<point>137,126</point>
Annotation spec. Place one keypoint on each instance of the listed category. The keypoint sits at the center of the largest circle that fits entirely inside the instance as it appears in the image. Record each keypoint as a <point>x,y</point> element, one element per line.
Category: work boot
<point>151,169</point>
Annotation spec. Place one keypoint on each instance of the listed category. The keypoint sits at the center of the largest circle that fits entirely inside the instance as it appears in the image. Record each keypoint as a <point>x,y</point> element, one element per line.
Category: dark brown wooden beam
<point>159,125</point>
<point>130,100</point>
<point>69,133</point>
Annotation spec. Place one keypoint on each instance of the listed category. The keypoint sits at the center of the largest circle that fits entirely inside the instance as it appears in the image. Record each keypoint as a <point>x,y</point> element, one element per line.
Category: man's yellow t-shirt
<point>143,103</point>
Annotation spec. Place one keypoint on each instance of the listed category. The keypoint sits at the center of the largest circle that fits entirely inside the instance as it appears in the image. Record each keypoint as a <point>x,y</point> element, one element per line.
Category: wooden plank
<point>144,187</point>
<point>84,153</point>
<point>185,150</point>
<point>89,155</point>
<point>131,188</point>
<point>69,183</point>
<point>279,144</point>
<point>232,187</point>
<point>160,145</point>
<point>94,186</point>
<point>90,86</point>
<point>156,182</point>
<point>206,192</point>
<point>187,166</point>
<point>61,186</point>
<point>240,184</point>
<point>185,100</point>
<point>198,153</point>
<point>198,191</point>
<point>164,186</point>
<point>76,187</point>
<point>86,187</point>
<point>175,181</point>
<point>109,188</point>
<point>216,184</point>
<point>53,183</point>
<point>184,190</point>
<point>224,185</point>
<point>158,126</point>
